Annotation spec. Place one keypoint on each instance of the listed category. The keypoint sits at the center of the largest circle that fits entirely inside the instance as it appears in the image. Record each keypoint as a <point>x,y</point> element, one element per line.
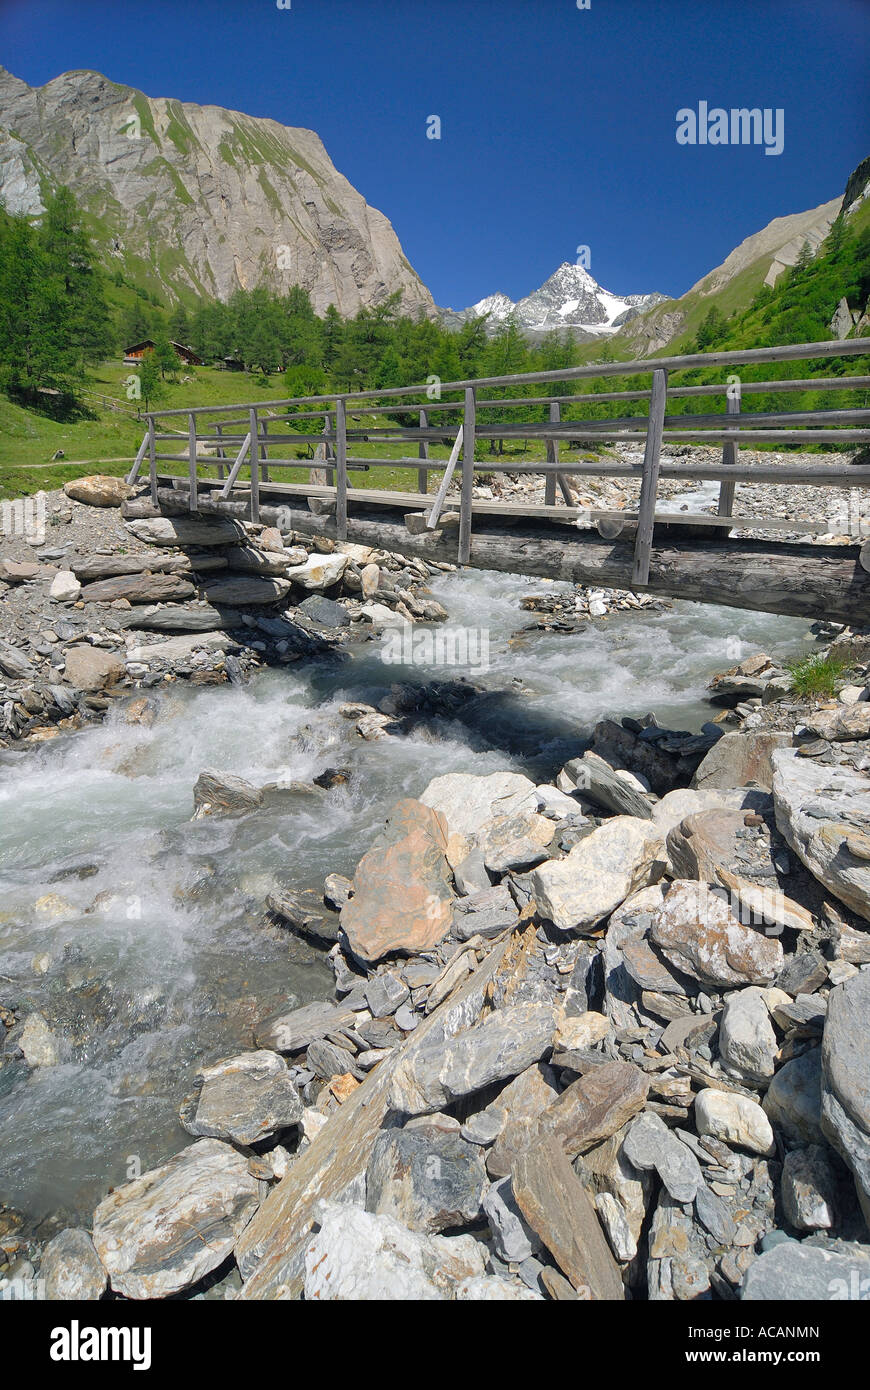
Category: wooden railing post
<point>193,500</point>
<point>650,483</point>
<point>134,471</point>
<point>152,459</point>
<point>341,469</point>
<point>328,451</point>
<point>221,453</point>
<point>423,453</point>
<point>729,456</point>
<point>255,465</point>
<point>468,428</point>
<point>264,426</point>
<point>552,457</point>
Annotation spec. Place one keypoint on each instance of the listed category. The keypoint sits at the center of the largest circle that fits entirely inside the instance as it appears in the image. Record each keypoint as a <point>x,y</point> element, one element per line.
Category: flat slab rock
<point>402,889</point>
<point>817,806</point>
<point>502,1045</point>
<point>586,1113</point>
<point>167,1229</point>
<point>291,1030</point>
<point>139,588</point>
<point>796,1271</point>
<point>846,1078</point>
<point>181,531</point>
<point>555,1204</point>
<point>244,1099</point>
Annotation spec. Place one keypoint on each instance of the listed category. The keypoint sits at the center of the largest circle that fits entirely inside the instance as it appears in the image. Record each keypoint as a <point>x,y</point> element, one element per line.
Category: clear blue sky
<point>558,124</point>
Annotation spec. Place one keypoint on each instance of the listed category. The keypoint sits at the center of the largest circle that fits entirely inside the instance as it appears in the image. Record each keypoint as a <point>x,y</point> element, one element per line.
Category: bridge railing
<point>246,436</point>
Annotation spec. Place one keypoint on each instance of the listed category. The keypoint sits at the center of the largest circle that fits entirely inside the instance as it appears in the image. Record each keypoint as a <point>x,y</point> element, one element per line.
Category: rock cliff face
<point>198,198</point>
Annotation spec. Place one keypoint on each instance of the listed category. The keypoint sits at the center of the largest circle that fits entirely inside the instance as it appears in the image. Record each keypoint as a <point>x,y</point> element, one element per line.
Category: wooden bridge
<point>677,554</point>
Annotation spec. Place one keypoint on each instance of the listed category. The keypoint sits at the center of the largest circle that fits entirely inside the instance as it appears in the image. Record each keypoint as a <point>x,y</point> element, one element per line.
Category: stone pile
<point>112,605</point>
<point>584,1044</point>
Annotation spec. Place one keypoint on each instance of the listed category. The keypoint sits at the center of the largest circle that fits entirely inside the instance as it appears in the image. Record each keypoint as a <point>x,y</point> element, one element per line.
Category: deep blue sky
<point>558,124</point>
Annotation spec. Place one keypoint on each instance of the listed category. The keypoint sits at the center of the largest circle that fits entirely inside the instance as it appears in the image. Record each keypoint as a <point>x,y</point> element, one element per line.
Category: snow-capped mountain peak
<point>570,298</point>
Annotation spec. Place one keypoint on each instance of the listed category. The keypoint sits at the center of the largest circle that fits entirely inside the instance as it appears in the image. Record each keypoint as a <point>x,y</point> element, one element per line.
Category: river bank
<point>220,929</point>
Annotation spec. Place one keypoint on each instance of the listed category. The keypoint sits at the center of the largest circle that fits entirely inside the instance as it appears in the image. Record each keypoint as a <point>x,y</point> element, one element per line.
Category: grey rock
<point>485,913</point>
<point>165,1230</point>
<point>798,1272</point>
<point>513,1238</point>
<point>502,1045</point>
<point>596,780</point>
<point>747,1042</point>
<point>471,876</point>
<point>714,1216</point>
<point>244,1099</point>
<point>803,974</point>
<point>650,1144</point>
<point>384,993</point>
<point>846,1079</point>
<point>327,1060</point>
<point>324,611</point>
<point>809,1188</point>
<point>222,794</point>
<point>793,1101</point>
<point>292,1030</point>
<point>71,1268</point>
<point>427,1177</point>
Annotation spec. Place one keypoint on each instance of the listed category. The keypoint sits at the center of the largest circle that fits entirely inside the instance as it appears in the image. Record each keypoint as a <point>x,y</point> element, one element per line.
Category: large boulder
<point>167,1229</point>
<point>428,1178</point>
<point>92,668</point>
<point>700,936</point>
<point>98,490</point>
<point>846,1079</point>
<point>817,807</point>
<point>468,802</point>
<point>579,891</point>
<point>740,760</point>
<point>402,894</point>
<point>362,1257</point>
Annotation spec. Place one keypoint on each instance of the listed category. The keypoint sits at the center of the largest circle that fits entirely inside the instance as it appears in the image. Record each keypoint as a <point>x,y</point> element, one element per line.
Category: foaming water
<point>141,936</point>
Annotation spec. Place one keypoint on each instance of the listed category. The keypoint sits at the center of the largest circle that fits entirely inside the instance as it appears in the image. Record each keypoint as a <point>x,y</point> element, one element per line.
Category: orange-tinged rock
<point>402,893</point>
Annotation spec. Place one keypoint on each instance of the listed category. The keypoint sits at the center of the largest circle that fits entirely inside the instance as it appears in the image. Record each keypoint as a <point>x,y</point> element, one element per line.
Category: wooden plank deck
<point>567,516</point>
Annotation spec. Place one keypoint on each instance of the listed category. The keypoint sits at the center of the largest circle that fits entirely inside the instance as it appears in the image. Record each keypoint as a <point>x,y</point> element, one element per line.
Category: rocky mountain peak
<point>200,198</point>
